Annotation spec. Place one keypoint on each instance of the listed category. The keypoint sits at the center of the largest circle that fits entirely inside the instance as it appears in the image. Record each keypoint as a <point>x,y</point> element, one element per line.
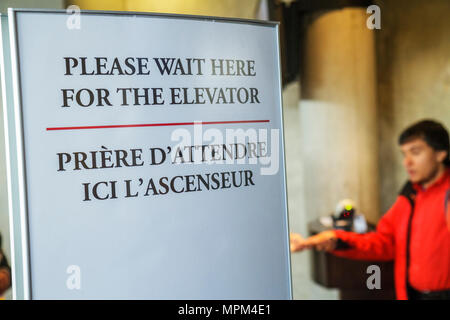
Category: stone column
<point>338,114</point>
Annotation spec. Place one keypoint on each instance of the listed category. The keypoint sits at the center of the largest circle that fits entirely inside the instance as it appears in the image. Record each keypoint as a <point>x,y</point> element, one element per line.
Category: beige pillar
<point>338,114</point>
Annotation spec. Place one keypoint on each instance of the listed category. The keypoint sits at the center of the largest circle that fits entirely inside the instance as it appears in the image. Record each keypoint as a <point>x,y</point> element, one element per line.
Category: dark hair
<point>434,134</point>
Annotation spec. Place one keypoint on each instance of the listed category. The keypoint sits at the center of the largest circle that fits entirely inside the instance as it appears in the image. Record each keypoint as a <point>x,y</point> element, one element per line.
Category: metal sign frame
<point>14,136</point>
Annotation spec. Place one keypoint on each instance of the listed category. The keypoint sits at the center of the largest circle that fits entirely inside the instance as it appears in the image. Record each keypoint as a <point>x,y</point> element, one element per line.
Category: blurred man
<point>5,272</point>
<point>415,232</point>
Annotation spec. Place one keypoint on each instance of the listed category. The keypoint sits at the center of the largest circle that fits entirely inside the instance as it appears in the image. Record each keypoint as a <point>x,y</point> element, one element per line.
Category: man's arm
<point>377,245</point>
<point>447,209</point>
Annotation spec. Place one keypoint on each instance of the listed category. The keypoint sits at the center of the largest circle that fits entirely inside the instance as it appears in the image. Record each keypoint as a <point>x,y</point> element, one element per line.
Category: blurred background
<point>354,76</point>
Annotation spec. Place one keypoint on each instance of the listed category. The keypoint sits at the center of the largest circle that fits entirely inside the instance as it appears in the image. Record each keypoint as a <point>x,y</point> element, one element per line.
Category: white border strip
<point>20,152</point>
<point>8,159</point>
<point>284,163</point>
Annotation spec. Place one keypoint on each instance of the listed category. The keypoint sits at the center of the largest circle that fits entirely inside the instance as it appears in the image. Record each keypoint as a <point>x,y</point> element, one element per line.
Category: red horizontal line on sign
<point>154,125</point>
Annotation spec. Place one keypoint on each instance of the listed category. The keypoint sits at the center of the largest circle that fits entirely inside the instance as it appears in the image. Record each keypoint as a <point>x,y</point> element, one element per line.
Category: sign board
<point>149,153</point>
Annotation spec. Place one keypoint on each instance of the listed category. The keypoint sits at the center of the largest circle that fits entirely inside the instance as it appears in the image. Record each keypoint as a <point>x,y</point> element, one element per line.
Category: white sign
<point>152,156</point>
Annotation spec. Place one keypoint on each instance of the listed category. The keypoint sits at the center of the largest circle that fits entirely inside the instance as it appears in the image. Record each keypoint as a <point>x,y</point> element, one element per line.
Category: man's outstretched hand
<point>296,242</point>
<point>324,241</point>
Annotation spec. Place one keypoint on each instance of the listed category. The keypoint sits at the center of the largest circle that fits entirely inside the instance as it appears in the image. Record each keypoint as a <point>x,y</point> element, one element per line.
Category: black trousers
<point>414,294</point>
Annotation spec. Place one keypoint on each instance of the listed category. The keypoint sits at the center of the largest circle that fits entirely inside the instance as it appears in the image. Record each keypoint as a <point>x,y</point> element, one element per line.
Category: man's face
<point>420,160</point>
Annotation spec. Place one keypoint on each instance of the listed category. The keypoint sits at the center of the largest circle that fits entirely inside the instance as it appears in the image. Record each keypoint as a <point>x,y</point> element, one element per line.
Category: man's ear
<point>441,155</point>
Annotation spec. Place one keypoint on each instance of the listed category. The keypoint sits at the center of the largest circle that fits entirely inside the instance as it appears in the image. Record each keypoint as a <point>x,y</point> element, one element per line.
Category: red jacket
<point>415,233</point>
